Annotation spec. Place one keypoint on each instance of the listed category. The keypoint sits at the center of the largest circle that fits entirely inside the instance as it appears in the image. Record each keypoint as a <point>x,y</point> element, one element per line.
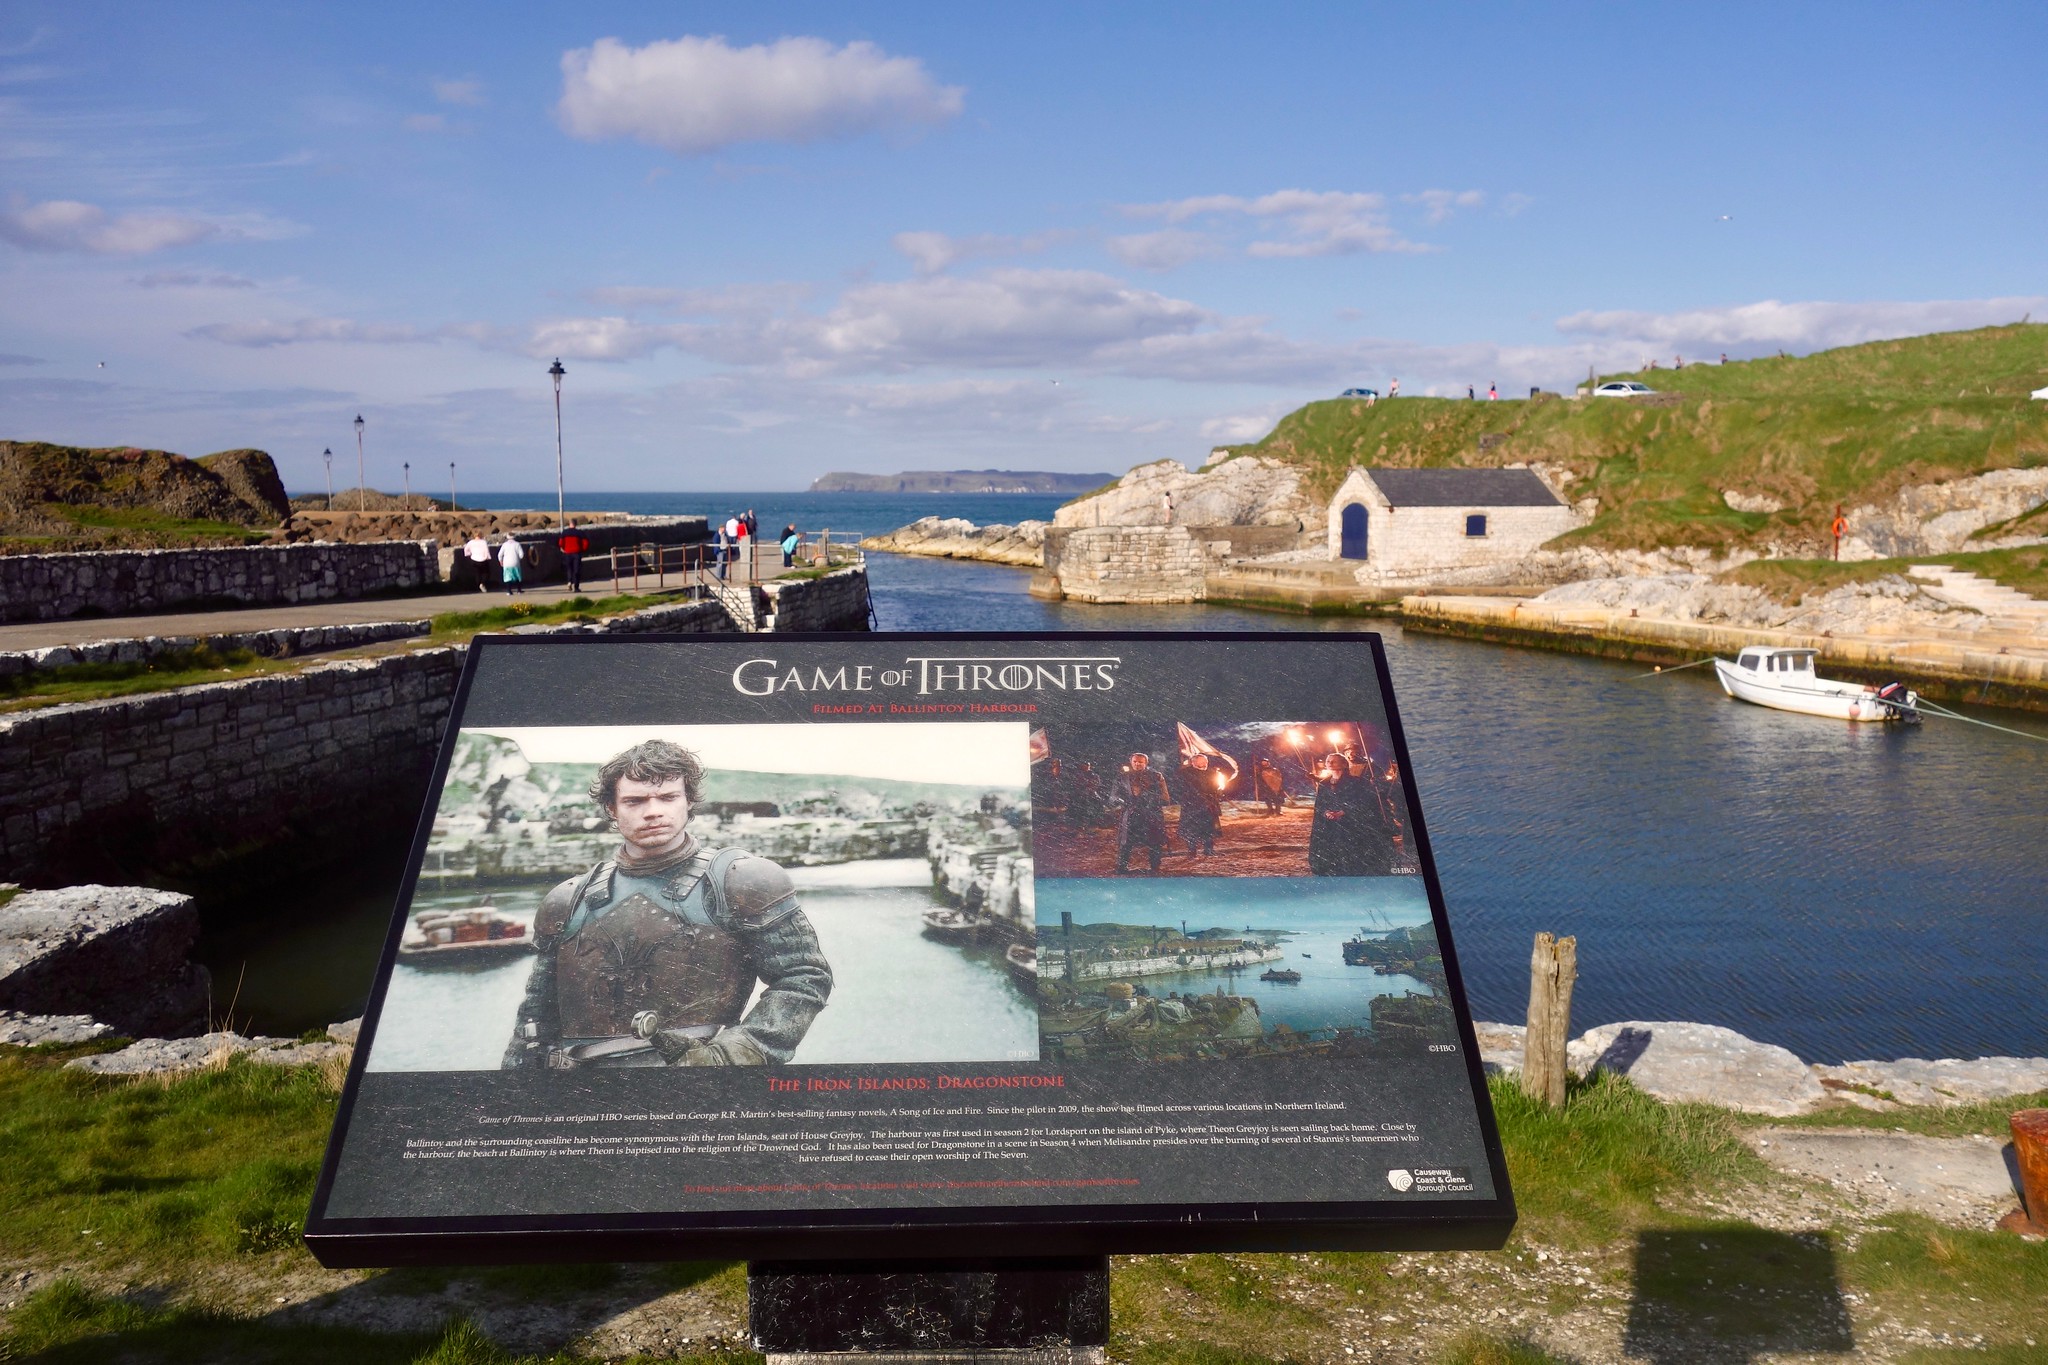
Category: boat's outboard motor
<point>1903,705</point>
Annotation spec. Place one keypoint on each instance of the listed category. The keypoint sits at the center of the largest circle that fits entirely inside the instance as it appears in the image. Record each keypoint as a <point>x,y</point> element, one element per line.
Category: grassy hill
<point>1845,426</point>
<point>56,497</point>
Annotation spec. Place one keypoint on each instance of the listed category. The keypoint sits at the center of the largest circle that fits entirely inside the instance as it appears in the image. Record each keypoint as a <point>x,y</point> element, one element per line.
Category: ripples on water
<point>1846,891</point>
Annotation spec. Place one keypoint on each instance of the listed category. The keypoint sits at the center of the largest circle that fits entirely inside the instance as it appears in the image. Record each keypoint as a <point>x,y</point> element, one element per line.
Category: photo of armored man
<point>720,895</point>
<point>1250,799</point>
<point>649,957</point>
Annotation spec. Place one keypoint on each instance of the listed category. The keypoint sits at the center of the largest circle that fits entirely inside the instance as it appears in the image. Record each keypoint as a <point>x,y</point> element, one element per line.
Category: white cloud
<point>263,333</point>
<point>607,338</point>
<point>696,95</point>
<point>931,252</point>
<point>68,225</point>
<point>1441,204</point>
<point>724,301</point>
<point>469,93</point>
<point>190,279</point>
<point>1166,249</point>
<point>1313,222</point>
<point>1772,325</point>
<point>1235,428</point>
<point>1008,317</point>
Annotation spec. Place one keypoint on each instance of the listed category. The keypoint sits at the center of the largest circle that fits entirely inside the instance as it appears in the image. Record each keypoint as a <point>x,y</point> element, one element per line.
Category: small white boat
<point>1784,679</point>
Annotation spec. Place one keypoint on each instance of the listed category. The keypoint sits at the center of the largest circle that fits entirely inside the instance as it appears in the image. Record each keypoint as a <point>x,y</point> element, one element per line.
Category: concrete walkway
<point>39,634</point>
<point>767,566</point>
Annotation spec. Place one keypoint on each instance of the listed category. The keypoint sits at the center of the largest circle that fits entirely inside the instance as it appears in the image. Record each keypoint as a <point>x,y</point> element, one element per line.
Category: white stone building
<point>1412,525</point>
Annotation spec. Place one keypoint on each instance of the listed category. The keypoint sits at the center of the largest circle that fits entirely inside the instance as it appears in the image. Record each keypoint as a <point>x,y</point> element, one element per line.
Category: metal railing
<point>694,568</point>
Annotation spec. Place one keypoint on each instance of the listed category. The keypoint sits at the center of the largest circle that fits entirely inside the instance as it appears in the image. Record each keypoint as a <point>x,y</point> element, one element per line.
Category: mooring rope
<point>1660,670</point>
<point>1946,714</point>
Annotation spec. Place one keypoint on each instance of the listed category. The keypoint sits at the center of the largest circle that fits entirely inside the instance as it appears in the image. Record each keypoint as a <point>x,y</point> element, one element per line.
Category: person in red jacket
<point>572,543</point>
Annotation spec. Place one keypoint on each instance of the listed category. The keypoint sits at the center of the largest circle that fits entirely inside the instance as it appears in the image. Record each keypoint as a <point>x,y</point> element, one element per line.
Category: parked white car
<point>1622,388</point>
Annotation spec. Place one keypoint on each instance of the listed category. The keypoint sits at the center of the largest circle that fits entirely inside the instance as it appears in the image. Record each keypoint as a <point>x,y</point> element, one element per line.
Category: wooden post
<point>1553,967</point>
<point>2030,1154</point>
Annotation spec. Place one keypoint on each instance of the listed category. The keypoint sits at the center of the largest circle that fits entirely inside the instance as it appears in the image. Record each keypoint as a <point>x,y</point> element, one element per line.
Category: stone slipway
<point>1989,670</point>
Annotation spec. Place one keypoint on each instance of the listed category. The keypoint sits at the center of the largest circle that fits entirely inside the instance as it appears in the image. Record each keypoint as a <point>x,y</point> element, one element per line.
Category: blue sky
<point>879,238</point>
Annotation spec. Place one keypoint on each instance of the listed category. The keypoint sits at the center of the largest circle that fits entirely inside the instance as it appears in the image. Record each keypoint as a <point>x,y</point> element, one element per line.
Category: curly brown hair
<point>651,760</point>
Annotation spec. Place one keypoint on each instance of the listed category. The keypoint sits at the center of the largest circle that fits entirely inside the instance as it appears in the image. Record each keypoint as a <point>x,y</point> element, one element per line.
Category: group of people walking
<point>508,557</point>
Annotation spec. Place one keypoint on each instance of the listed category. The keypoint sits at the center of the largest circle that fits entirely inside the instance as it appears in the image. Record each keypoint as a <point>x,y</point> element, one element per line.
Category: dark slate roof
<point>1462,488</point>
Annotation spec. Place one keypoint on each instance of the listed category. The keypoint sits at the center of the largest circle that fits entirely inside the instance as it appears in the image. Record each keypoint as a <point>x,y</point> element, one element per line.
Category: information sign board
<point>808,947</point>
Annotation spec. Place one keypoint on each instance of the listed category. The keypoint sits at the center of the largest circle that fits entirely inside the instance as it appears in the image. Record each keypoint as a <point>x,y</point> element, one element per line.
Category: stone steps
<point>2008,608</point>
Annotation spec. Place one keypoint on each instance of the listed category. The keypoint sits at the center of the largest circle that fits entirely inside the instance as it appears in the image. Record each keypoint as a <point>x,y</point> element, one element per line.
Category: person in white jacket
<point>510,555</point>
<point>477,551</point>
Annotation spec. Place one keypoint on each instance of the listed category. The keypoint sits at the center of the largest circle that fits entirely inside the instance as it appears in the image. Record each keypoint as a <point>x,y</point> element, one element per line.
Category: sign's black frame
<point>921,1233</point>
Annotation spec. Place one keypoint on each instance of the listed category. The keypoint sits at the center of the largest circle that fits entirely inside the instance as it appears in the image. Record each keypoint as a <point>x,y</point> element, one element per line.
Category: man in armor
<point>649,958</point>
<point>1140,799</point>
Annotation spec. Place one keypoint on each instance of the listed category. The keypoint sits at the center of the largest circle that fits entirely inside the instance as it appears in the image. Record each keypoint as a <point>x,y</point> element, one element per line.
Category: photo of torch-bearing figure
<point>650,957</point>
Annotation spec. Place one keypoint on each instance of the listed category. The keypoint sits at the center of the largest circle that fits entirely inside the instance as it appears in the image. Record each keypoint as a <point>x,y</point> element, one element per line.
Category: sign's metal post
<point>1033,1312</point>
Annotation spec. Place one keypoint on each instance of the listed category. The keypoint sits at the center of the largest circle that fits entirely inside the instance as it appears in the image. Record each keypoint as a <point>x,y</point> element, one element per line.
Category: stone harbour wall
<point>269,644</point>
<point>168,777</point>
<point>1124,564</point>
<point>837,601</point>
<point>132,582</point>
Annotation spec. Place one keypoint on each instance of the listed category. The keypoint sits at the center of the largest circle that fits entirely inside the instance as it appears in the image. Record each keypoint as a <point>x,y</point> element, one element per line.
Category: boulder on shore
<point>167,1056</point>
<point>1701,1063</point>
<point>120,954</point>
<point>957,538</point>
<point>36,1030</point>
<point>1247,491</point>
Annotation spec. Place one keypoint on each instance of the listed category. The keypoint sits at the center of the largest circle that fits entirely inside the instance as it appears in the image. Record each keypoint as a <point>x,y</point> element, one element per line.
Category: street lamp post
<point>451,485</point>
<point>407,467</point>
<point>328,456</point>
<point>557,372</point>
<point>362,483</point>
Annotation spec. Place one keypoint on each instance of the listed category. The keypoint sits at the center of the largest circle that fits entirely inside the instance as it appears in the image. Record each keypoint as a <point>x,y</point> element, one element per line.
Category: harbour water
<point>1845,891</point>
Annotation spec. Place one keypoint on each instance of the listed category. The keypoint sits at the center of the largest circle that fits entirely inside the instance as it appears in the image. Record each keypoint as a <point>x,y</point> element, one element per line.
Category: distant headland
<point>961,481</point>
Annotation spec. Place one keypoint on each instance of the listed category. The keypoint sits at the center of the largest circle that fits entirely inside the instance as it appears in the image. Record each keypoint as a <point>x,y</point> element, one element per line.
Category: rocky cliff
<point>959,481</point>
<point>126,497</point>
<point>958,538</point>
<point>1247,491</point>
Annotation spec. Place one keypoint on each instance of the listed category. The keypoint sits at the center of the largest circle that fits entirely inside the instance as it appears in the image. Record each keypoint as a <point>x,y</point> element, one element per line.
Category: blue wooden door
<point>1352,544</point>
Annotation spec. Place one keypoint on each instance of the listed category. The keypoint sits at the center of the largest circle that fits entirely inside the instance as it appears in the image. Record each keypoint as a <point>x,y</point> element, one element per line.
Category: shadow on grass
<point>1725,1296</point>
<point>68,1324</point>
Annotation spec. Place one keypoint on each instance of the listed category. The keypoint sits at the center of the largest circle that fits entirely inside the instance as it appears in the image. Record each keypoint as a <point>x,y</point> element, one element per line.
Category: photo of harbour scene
<point>1266,798</point>
<point>1207,970</point>
<point>906,849</point>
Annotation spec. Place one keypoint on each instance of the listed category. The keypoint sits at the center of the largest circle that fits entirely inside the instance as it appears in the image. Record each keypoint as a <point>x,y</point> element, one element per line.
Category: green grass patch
<point>1846,426</point>
<point>1985,1281</point>
<point>1991,1118</point>
<point>153,1175</point>
<point>1599,1166</point>
<point>92,682</point>
<point>455,627</point>
<point>155,526</point>
<point>2024,569</point>
<point>68,1324</point>
<point>1479,1348</point>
